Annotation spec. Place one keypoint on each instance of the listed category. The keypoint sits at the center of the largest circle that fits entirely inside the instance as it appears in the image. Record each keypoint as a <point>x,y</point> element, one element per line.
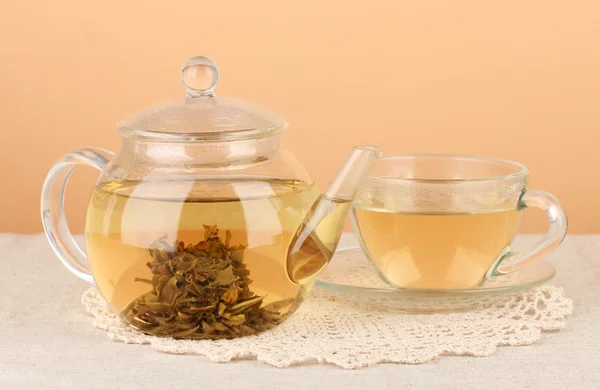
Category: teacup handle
<point>53,210</point>
<point>514,261</point>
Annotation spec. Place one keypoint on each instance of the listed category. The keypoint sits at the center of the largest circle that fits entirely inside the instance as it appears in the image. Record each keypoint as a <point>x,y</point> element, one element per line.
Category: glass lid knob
<point>200,76</point>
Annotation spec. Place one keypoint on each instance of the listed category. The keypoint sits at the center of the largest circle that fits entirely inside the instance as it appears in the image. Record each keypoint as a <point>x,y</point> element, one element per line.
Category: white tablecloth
<point>47,341</point>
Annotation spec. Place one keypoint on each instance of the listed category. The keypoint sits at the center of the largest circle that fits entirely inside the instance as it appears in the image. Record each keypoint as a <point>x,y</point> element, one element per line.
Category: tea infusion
<point>317,238</point>
<point>193,259</point>
<point>436,251</point>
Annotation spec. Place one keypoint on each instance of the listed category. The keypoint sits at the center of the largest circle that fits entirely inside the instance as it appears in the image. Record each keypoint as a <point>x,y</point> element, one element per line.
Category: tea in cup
<point>447,222</point>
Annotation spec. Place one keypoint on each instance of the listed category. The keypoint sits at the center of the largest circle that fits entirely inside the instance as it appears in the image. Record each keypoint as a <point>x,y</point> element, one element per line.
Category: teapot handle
<point>53,211</point>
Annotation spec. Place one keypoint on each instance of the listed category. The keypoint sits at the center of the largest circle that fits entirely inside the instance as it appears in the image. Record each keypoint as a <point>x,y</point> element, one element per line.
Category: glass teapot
<point>201,227</point>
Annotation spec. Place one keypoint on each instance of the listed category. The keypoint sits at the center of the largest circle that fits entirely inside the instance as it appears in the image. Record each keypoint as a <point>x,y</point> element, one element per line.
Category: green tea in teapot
<point>205,264</point>
<point>218,232</point>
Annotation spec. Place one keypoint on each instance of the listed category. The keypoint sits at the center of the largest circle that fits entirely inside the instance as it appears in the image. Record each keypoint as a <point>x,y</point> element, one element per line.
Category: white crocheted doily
<point>326,329</point>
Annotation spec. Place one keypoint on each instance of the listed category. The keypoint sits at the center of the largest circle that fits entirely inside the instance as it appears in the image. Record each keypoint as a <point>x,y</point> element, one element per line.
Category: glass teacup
<point>447,222</point>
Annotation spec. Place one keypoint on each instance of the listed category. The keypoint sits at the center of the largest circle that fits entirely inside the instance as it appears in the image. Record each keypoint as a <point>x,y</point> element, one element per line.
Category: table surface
<point>48,341</point>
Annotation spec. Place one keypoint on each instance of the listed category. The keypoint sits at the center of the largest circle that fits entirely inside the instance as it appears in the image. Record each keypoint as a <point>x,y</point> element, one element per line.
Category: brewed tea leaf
<point>243,305</point>
<point>237,319</point>
<point>184,333</point>
<point>227,238</point>
<point>231,295</point>
<point>207,328</point>
<point>219,326</point>
<point>192,288</point>
<point>185,317</point>
<point>237,253</point>
<point>196,309</point>
<point>170,291</point>
<point>147,281</point>
<point>157,306</point>
<point>225,277</point>
<point>201,291</point>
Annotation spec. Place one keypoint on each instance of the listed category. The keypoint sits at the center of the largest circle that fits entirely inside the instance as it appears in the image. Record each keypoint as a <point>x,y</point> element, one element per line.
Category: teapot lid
<point>200,115</point>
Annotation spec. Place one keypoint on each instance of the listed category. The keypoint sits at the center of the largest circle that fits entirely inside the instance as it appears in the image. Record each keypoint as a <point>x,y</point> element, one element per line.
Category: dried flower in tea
<point>201,291</point>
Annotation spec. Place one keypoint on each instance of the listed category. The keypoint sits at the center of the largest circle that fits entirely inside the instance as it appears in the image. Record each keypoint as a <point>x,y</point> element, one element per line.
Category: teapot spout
<point>317,237</point>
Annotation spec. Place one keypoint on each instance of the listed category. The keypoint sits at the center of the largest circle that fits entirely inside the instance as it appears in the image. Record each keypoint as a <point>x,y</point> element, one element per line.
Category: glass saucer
<point>350,276</point>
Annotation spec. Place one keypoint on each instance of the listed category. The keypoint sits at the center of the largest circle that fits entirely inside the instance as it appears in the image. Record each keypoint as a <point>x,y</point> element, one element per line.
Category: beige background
<point>512,79</point>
